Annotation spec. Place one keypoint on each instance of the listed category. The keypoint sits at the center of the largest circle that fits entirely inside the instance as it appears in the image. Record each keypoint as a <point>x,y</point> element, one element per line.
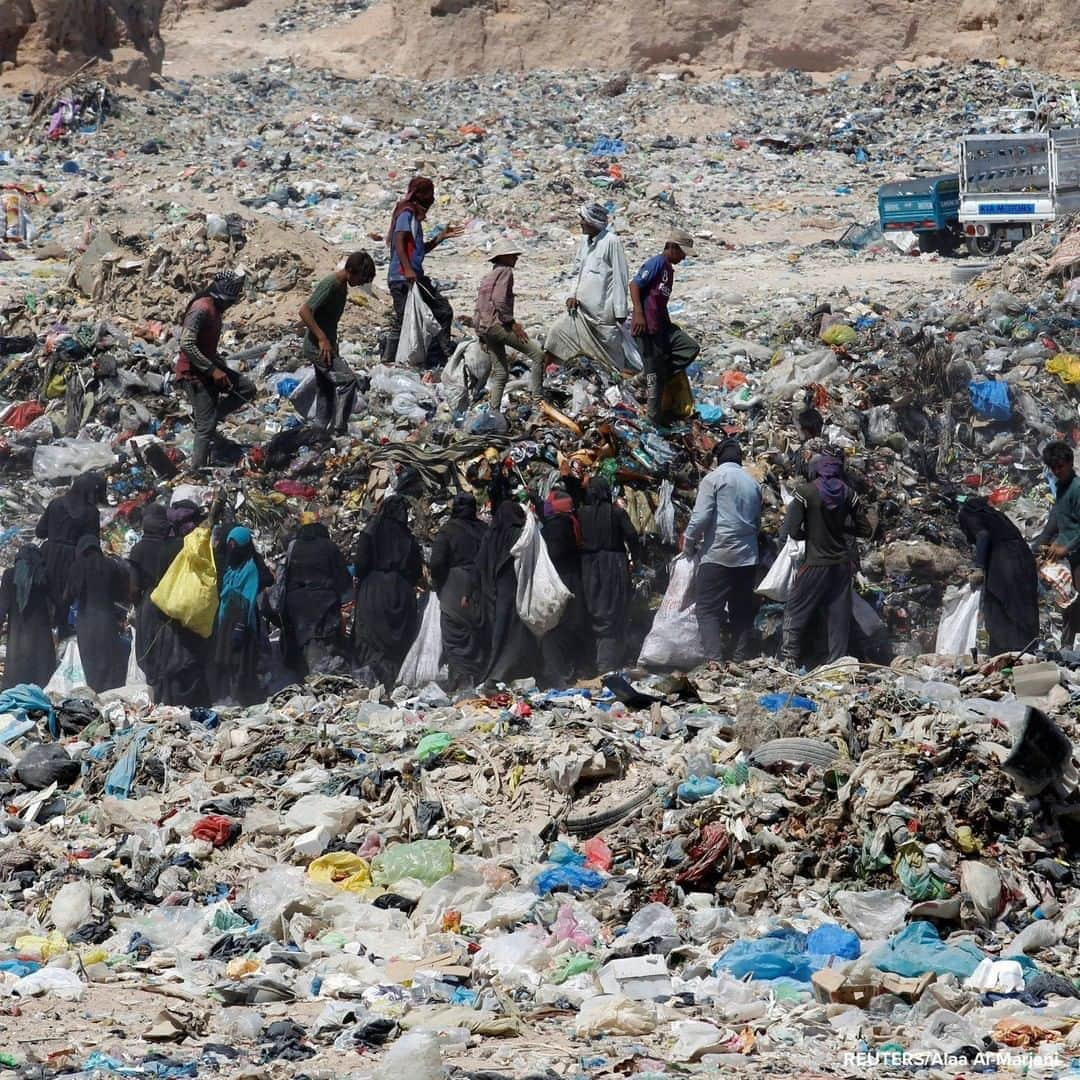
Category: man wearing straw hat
<point>495,324</point>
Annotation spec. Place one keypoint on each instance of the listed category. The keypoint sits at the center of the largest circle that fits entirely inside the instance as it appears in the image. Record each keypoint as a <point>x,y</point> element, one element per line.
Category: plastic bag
<point>665,513</point>
<point>421,663</point>
<point>990,399</point>
<point>1059,576</point>
<point>631,352</point>
<point>541,595</point>
<point>71,457</point>
<point>415,1055</point>
<point>188,592</point>
<point>465,372</point>
<point>425,860</point>
<point>674,639</point>
<point>69,675</point>
<point>874,914</point>
<point>614,1014</point>
<point>419,328</point>
<point>678,398</point>
<point>778,582</point>
<point>918,948</point>
<point>959,622</point>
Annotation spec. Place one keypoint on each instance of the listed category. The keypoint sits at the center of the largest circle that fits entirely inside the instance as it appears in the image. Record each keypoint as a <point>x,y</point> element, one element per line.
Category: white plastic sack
<point>541,595</point>
<point>777,583</point>
<point>421,663</point>
<point>135,677</point>
<point>665,513</point>
<point>631,352</point>
<point>303,399</point>
<point>419,328</point>
<point>69,676</point>
<point>675,639</point>
<point>466,370</point>
<point>71,457</point>
<point>959,622</point>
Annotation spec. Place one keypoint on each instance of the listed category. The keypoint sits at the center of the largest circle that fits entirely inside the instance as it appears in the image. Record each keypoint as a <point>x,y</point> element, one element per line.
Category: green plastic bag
<point>839,334</point>
<point>433,745</point>
<point>426,860</point>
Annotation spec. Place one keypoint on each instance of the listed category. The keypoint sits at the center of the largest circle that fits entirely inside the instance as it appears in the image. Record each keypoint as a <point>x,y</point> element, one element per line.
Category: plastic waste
<point>65,458</point>
<point>415,1055</point>
<point>425,860</point>
<point>422,661</point>
<point>959,624</point>
<point>615,1014</point>
<point>873,914</point>
<point>188,591</point>
<point>419,328</point>
<point>918,948</point>
<point>674,639</point>
<point>573,878</point>
<point>777,582</point>
<point>541,595</point>
<point>71,907</point>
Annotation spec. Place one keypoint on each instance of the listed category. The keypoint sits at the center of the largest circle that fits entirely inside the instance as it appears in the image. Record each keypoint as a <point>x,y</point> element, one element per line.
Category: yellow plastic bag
<point>342,869</point>
<point>1066,366</point>
<point>839,334</point>
<point>678,399</point>
<point>40,947</point>
<point>188,592</point>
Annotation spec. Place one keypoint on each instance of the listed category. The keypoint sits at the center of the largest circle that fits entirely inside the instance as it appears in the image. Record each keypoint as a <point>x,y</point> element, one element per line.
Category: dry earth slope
<point>432,38</point>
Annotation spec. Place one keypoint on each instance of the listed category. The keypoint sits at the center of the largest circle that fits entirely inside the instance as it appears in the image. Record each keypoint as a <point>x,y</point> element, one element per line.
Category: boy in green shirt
<point>335,382</point>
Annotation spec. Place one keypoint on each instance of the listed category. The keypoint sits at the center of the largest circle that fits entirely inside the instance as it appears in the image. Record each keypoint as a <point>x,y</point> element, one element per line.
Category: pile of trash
<point>868,867</point>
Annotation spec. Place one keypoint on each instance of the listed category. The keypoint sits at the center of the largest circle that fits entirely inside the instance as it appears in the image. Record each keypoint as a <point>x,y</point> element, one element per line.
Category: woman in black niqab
<point>1010,590</point>
<point>607,535</point>
<point>67,519</point>
<point>453,559</point>
<point>388,566</point>
<point>26,608</point>
<point>100,587</point>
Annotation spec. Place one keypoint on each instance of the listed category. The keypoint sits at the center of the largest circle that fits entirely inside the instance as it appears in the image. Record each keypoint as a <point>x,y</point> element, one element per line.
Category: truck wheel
<point>985,245</point>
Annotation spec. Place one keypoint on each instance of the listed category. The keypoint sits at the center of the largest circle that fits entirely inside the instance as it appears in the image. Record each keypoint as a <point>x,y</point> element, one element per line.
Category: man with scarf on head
<point>564,648</point>
<point>513,652</point>
<point>591,325</point>
<point>405,238</point>
<point>317,580</point>
<point>26,607</point>
<point>388,565</point>
<point>238,632</point>
<point>213,389</point>
<point>607,536</point>
<point>100,587</point>
<point>1007,574</point>
<point>723,530</point>
<point>824,512</point>
<point>451,566</point>
<point>67,519</point>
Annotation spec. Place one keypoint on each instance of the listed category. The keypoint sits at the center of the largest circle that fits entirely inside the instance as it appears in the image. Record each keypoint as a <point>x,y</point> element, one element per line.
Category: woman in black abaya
<point>27,609</point>
<point>453,558</point>
<point>514,651</point>
<point>100,588</point>
<point>316,581</point>
<point>564,647</point>
<point>1010,585</point>
<point>67,519</point>
<point>388,567</point>
<point>606,537</point>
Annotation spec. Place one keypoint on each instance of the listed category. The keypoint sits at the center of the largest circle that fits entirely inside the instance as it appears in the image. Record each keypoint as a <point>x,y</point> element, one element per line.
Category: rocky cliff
<point>434,38</point>
<point>442,37</point>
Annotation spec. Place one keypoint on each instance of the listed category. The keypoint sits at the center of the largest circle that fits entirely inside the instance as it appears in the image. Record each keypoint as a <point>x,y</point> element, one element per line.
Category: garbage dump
<point>669,867</point>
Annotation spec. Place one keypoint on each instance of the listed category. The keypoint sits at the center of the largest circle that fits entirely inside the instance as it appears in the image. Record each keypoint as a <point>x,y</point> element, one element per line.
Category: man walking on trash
<point>591,326</point>
<point>495,323</point>
<point>1058,458</point>
<point>408,249</point>
<point>664,346</point>
<point>724,529</point>
<point>213,389</point>
<point>824,512</point>
<point>334,380</point>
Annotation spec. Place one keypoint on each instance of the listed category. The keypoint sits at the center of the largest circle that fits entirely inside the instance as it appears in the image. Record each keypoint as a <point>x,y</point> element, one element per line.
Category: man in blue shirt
<point>408,248</point>
<point>665,347</point>
<point>723,530</point>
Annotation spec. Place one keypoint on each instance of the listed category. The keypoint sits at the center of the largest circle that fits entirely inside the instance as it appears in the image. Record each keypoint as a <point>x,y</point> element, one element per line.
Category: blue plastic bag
<point>833,940</point>
<point>990,399</point>
<point>604,147</point>
<point>575,878</point>
<point>562,854</point>
<point>695,788</point>
<point>780,954</point>
<point>918,949</point>
<point>776,702</point>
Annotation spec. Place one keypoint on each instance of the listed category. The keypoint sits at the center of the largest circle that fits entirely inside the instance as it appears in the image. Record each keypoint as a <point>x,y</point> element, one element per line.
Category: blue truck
<point>928,206</point>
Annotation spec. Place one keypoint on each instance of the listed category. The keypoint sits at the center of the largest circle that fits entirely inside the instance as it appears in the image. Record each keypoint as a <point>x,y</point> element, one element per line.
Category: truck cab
<point>927,206</point>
